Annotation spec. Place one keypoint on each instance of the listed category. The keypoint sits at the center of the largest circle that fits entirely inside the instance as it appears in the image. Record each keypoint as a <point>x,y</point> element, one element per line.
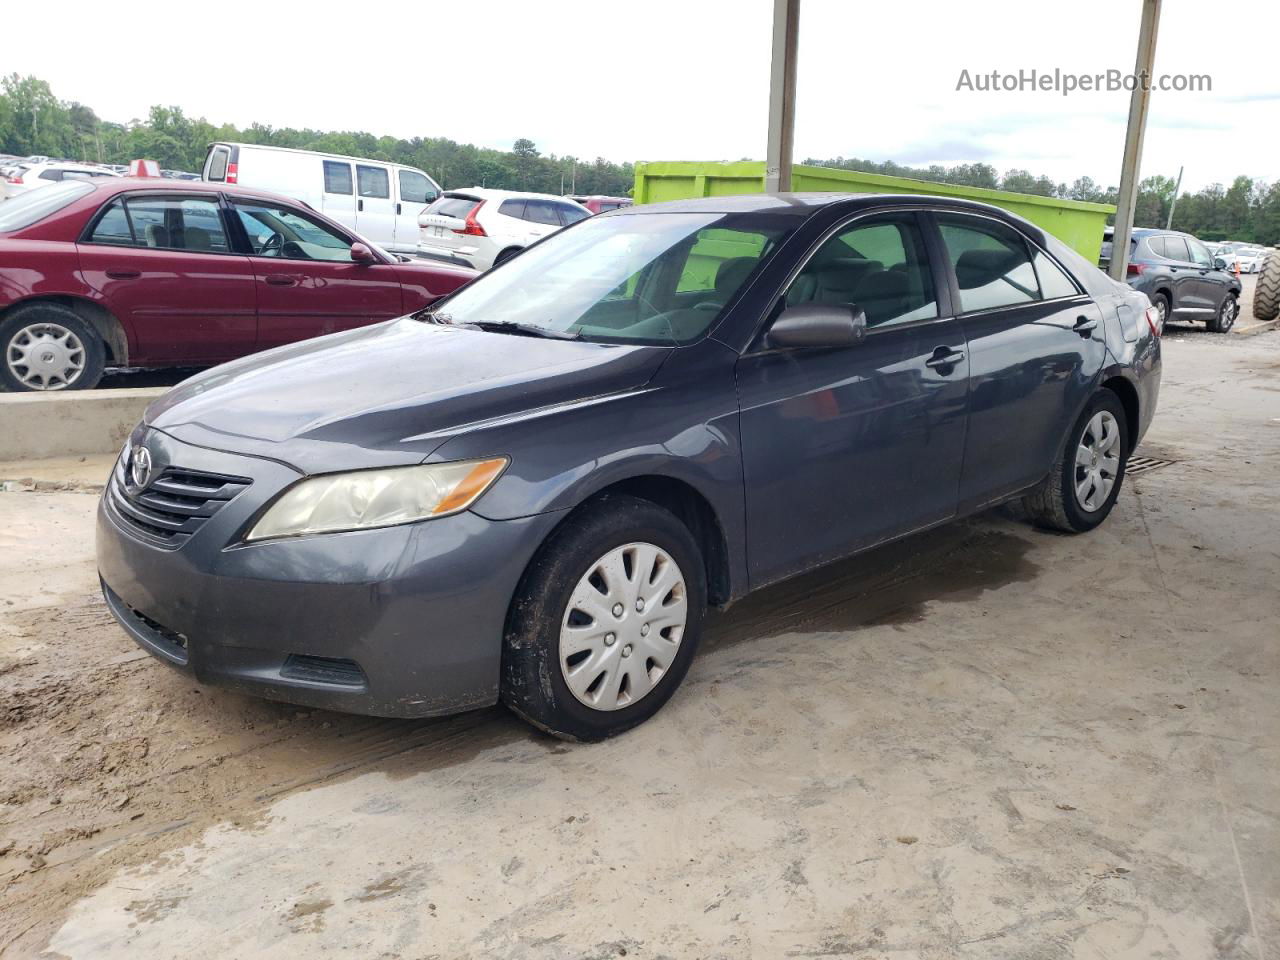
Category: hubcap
<point>1097,461</point>
<point>45,356</point>
<point>1162,311</point>
<point>634,594</point>
<point>1228,313</point>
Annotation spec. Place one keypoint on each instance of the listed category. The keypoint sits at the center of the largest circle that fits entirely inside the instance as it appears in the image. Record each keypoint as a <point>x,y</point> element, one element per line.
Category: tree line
<point>34,121</point>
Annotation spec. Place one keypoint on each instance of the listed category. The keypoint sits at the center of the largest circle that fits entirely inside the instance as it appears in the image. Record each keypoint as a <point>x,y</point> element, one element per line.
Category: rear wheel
<point>606,621</point>
<point>1080,491</point>
<point>46,347</point>
<point>1161,302</point>
<point>1227,313</point>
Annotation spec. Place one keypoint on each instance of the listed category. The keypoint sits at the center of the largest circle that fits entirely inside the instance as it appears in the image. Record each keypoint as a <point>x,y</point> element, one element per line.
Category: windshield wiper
<point>520,329</point>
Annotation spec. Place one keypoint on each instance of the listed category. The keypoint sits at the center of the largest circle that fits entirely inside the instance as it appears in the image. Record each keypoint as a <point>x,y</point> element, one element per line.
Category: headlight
<point>364,499</point>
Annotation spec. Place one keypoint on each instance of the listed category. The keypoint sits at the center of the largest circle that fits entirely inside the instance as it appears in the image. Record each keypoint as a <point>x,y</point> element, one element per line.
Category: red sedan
<point>164,273</point>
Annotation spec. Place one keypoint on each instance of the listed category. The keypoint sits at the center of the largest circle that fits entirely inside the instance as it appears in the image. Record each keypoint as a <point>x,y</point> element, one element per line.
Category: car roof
<point>489,193</point>
<point>807,204</point>
<point>132,184</point>
<point>311,153</point>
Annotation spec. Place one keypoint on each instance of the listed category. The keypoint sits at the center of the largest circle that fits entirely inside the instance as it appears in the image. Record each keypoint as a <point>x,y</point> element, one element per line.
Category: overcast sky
<point>688,79</point>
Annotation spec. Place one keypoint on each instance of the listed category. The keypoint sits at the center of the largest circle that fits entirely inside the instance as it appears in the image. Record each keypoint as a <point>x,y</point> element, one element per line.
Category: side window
<point>1175,248</point>
<point>373,182</point>
<point>512,208</point>
<point>1199,255</point>
<point>415,188</point>
<point>218,164</point>
<point>991,263</point>
<point>279,231</point>
<point>570,214</point>
<point>193,224</point>
<point>878,263</point>
<point>1053,282</point>
<point>337,177</point>
<point>541,211</point>
<point>1156,244</point>
<point>113,227</point>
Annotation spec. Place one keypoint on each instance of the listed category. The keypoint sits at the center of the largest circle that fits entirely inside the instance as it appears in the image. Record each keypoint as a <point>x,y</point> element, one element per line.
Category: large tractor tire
<point>1266,295</point>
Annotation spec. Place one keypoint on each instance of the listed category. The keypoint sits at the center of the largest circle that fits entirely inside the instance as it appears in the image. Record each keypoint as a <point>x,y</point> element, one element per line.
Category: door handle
<point>122,274</point>
<point>279,280</point>
<point>397,209</point>
<point>1085,326</point>
<point>944,357</point>
<point>360,205</point>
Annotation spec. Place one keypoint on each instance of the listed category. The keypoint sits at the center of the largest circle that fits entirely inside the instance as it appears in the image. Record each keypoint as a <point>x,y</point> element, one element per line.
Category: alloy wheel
<point>1227,315</point>
<point>622,626</point>
<point>1097,461</point>
<point>45,356</point>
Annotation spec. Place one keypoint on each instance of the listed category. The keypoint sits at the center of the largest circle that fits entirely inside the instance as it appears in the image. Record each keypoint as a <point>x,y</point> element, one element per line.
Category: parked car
<point>480,227</point>
<point>597,203</point>
<point>28,176</point>
<point>378,200</point>
<point>1184,280</point>
<point>159,273</point>
<point>533,491</point>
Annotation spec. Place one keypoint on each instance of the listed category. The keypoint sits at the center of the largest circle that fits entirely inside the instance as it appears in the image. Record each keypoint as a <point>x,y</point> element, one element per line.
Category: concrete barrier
<point>34,426</point>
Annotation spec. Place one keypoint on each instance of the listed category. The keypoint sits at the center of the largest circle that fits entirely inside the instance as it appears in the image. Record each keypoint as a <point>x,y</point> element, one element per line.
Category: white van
<point>378,200</point>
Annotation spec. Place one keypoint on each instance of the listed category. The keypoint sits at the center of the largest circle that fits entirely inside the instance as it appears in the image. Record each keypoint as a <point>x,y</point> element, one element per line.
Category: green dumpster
<point>1075,223</point>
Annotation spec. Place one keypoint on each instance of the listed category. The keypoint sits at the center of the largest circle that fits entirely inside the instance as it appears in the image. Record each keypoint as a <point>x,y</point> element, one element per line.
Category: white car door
<point>375,210</point>
<point>338,201</point>
<point>414,193</point>
<point>540,218</point>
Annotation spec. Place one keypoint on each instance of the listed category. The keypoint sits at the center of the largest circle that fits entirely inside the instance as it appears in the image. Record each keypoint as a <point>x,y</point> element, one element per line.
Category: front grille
<point>174,505</point>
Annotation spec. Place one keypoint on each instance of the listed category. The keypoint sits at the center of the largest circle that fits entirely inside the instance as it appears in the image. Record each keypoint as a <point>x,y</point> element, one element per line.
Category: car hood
<point>388,394</point>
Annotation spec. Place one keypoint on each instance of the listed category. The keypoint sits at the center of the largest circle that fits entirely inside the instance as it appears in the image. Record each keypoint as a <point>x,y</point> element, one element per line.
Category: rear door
<point>375,210</point>
<point>414,193</point>
<point>541,218</point>
<point>1211,285</point>
<point>307,284</point>
<point>165,267</point>
<point>1188,294</point>
<point>1036,346</point>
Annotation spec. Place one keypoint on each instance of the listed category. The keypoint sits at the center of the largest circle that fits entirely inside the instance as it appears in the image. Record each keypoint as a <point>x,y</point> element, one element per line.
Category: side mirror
<point>360,253</point>
<point>1219,263</point>
<point>817,325</point>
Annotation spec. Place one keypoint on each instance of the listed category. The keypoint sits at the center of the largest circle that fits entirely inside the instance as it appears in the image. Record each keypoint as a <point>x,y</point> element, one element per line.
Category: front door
<point>1036,347</point>
<point>1211,284</point>
<point>414,192</point>
<point>307,284</point>
<point>375,210</point>
<point>165,268</point>
<point>843,448</point>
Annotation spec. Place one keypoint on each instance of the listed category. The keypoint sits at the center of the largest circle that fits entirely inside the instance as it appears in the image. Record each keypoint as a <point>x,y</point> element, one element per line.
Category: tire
<point>1266,294</point>
<point>1225,318</point>
<point>550,601</point>
<point>1161,302</point>
<point>1056,503</point>
<point>506,255</point>
<point>72,341</point>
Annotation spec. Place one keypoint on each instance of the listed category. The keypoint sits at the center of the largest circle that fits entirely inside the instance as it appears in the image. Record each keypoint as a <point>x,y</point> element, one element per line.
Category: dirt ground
<point>986,741</point>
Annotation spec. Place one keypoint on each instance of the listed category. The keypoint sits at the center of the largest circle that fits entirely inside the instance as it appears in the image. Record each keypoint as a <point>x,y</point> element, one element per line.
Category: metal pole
<point>1168,224</point>
<point>782,96</point>
<point>1138,104</point>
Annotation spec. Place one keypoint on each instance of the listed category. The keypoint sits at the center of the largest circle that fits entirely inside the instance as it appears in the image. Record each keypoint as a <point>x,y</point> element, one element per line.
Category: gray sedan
<point>533,491</point>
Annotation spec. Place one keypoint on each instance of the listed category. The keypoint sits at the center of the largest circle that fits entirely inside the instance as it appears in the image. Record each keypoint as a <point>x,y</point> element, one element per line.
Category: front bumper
<point>400,622</point>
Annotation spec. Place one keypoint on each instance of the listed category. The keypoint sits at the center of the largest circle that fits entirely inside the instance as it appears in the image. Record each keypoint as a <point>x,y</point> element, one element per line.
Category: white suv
<point>480,228</point>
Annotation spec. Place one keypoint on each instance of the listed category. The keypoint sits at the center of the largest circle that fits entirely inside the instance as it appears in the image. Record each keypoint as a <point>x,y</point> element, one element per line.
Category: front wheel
<point>606,620</point>
<point>1227,313</point>
<point>1080,491</point>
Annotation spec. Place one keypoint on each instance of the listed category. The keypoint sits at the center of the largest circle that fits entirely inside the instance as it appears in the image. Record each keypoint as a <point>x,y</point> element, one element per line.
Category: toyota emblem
<point>140,467</point>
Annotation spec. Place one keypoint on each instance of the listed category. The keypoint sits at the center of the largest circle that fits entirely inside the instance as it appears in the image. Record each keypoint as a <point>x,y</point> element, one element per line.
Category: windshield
<point>649,278</point>
<point>27,208</point>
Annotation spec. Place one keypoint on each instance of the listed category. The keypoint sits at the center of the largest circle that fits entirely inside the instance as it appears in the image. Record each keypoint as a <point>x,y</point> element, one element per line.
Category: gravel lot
<point>986,741</point>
